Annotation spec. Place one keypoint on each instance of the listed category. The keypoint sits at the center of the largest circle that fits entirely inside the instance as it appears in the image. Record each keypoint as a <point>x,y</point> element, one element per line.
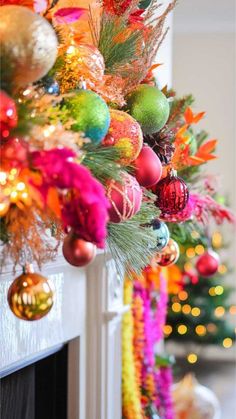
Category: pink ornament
<point>148,168</point>
<point>125,198</point>
<point>208,263</point>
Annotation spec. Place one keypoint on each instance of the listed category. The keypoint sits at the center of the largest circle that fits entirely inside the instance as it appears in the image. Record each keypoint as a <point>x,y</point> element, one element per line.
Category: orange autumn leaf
<point>53,201</point>
<point>207,147</point>
<point>190,118</point>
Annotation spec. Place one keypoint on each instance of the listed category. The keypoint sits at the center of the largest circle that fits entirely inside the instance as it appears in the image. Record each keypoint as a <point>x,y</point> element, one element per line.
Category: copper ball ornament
<point>125,198</point>
<point>77,251</point>
<point>208,263</point>
<point>172,194</point>
<point>148,167</point>
<point>169,255</point>
<point>125,134</point>
<point>30,296</point>
<point>28,46</point>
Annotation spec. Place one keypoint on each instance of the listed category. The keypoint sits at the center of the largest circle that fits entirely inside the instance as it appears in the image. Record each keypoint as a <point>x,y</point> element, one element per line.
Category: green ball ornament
<point>91,114</point>
<point>149,106</point>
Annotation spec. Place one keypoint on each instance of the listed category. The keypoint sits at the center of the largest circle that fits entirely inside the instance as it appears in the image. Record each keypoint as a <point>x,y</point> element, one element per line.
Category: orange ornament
<point>124,133</point>
<point>30,296</point>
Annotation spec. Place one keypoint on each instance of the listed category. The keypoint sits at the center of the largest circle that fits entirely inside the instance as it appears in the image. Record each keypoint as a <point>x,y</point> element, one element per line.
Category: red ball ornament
<point>125,198</point>
<point>14,152</point>
<point>77,251</point>
<point>207,264</point>
<point>169,255</point>
<point>124,133</point>
<point>172,194</point>
<point>8,115</point>
<point>148,167</point>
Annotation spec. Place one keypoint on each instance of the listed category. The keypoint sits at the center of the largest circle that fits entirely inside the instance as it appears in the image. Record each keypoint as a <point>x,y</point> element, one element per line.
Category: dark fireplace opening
<point>38,391</point>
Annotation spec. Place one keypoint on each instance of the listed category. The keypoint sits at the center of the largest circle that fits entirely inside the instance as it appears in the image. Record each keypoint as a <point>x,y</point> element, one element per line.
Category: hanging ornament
<point>30,296</point>
<point>186,214</point>
<point>91,114</point>
<point>149,106</point>
<point>80,62</point>
<point>28,45</point>
<point>162,234</point>
<point>77,251</point>
<point>8,115</point>
<point>172,194</point>
<point>148,168</point>
<point>194,401</point>
<point>125,198</point>
<point>169,255</point>
<point>124,133</point>
<point>208,263</point>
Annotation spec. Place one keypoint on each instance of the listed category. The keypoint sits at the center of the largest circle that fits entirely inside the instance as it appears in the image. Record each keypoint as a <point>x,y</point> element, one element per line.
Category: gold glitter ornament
<point>28,46</point>
<point>82,62</point>
<point>30,296</point>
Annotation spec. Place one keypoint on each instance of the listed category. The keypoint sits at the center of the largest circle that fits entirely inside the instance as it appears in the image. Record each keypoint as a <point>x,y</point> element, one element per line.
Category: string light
<point>212,292</point>
<point>222,269</point>
<point>186,309</point>
<point>192,358</point>
<point>182,329</point>
<point>176,307</point>
<point>188,266</point>
<point>195,311</point>
<point>219,311</point>
<point>200,330</point>
<point>227,343</point>
<point>183,295</point>
<point>232,310</point>
<point>199,249</point>
<point>219,290</point>
<point>190,252</point>
<point>217,240</point>
<point>167,329</point>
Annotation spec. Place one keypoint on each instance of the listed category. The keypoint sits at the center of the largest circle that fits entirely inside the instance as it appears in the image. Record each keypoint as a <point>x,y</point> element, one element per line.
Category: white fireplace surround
<point>87,313</point>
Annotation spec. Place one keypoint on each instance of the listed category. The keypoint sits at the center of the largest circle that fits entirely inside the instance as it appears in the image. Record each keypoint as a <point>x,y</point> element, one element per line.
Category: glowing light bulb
<point>212,292</point>
<point>222,269</point>
<point>232,310</point>
<point>200,330</point>
<point>199,249</point>
<point>219,311</point>
<point>227,343</point>
<point>192,358</point>
<point>217,240</point>
<point>182,329</point>
<point>195,311</point>
<point>186,309</point>
<point>20,186</point>
<point>190,252</point>
<point>183,295</point>
<point>176,307</point>
<point>219,290</point>
<point>3,178</point>
<point>167,329</point>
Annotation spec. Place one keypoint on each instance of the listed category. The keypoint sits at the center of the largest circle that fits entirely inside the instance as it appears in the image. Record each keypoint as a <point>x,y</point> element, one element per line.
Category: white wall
<point>204,64</point>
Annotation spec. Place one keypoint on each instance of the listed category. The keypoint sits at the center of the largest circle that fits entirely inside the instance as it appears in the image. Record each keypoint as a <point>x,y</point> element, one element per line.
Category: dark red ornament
<point>77,251</point>
<point>208,263</point>
<point>148,167</point>
<point>172,194</point>
<point>8,115</point>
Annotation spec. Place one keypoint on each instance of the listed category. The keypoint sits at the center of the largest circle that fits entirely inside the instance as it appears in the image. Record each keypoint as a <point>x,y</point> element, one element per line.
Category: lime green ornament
<point>91,114</point>
<point>149,106</point>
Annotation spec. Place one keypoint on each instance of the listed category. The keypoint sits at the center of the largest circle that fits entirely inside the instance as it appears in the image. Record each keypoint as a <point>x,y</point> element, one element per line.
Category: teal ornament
<point>91,114</point>
<point>162,234</point>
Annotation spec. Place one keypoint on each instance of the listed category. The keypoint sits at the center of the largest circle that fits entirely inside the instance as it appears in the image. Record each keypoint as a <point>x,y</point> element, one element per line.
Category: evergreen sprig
<point>132,244</point>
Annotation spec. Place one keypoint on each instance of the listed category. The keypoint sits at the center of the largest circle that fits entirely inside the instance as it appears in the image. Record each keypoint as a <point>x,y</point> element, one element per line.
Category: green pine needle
<point>132,244</point>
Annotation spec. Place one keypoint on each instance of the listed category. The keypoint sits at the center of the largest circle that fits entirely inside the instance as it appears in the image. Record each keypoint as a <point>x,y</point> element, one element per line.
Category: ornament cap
<point>28,268</point>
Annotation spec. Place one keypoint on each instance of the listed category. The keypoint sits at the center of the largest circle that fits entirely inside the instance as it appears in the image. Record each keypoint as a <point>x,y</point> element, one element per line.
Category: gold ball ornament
<point>169,255</point>
<point>30,296</point>
<point>28,46</point>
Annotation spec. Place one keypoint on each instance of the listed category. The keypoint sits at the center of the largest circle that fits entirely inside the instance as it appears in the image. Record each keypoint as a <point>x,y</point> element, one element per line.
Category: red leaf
<point>198,117</point>
<point>207,148</point>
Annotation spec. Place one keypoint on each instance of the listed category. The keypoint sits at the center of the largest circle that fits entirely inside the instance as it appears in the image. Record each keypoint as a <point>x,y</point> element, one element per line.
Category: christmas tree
<point>198,311</point>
